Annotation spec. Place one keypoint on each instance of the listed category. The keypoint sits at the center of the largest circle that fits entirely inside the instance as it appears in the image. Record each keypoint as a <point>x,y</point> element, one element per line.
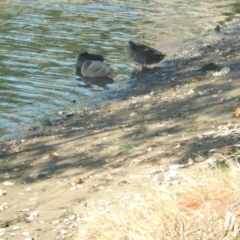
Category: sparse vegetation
<point>205,208</point>
<point>46,122</point>
<point>125,146</point>
<point>66,215</point>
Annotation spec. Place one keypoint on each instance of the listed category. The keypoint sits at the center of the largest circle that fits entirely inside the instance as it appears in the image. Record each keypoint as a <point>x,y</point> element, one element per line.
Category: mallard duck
<point>86,56</point>
<point>144,54</point>
<point>95,69</point>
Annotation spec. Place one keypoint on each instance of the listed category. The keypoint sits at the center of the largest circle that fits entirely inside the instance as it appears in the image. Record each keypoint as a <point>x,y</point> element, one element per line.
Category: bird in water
<point>82,57</point>
<point>143,54</point>
<point>95,69</point>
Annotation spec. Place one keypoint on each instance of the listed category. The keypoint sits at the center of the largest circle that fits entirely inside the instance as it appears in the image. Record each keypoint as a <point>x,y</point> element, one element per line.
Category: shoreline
<point>124,90</point>
<point>127,89</point>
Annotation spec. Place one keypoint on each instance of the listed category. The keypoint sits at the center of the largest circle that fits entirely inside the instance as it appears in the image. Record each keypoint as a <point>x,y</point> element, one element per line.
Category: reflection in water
<point>40,42</point>
<point>102,82</point>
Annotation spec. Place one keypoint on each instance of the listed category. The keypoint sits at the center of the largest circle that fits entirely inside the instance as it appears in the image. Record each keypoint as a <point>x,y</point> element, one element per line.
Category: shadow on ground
<point>166,115</point>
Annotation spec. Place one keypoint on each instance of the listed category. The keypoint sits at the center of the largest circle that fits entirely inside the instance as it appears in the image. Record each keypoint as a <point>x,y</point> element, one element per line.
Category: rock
<point>3,206</point>
<point>209,67</point>
<point>3,192</point>
<point>63,232</point>
<point>53,155</point>
<point>237,112</point>
<point>203,93</point>
<point>149,149</point>
<point>42,175</point>
<point>217,28</point>
<point>133,114</point>
<point>122,183</point>
<point>147,106</point>
<point>16,228</point>
<point>72,217</point>
<point>77,180</point>
<point>6,183</point>
<point>25,234</point>
<point>222,72</point>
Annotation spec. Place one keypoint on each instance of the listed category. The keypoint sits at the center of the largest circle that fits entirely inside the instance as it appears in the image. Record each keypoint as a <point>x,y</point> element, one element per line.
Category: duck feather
<point>144,54</point>
<point>95,69</point>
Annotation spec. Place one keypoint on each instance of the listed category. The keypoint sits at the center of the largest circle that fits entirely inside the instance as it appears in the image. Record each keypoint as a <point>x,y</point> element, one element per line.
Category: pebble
<point>56,221</point>
<point>3,206</point>
<point>149,149</point>
<point>122,182</point>
<point>133,114</point>
<point>146,97</point>
<point>2,192</point>
<point>222,72</point>
<point>148,106</point>
<point>203,93</point>
<point>77,180</point>
<point>8,183</point>
<point>155,178</point>
<point>63,232</point>
<point>26,234</point>
<point>72,218</point>
<point>16,228</point>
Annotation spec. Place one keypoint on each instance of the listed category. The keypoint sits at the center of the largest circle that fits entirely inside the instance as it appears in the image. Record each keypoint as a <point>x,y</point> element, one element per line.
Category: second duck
<point>143,54</point>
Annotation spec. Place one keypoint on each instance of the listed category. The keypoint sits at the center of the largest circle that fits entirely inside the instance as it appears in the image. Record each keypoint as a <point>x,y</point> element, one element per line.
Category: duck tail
<point>161,55</point>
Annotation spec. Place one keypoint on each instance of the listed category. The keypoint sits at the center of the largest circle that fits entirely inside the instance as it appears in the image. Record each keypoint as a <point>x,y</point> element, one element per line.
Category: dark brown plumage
<point>86,56</point>
<point>143,54</point>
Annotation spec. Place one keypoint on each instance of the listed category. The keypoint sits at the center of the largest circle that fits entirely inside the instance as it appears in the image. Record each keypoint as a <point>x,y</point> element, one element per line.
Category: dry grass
<point>205,208</point>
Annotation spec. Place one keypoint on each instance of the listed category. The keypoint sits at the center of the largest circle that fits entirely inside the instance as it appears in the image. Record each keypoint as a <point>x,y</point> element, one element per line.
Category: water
<point>40,42</point>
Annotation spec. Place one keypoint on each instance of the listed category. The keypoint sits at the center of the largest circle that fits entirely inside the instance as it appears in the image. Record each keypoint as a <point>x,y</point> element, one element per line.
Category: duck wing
<point>151,55</point>
<point>97,66</point>
<point>98,69</point>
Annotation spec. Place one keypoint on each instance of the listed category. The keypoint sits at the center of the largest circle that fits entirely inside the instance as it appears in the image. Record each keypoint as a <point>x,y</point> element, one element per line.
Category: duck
<point>86,56</point>
<point>144,54</point>
<point>95,69</point>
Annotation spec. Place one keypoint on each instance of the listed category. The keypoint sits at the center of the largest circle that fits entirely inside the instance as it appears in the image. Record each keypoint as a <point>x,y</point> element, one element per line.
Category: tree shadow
<point>166,118</point>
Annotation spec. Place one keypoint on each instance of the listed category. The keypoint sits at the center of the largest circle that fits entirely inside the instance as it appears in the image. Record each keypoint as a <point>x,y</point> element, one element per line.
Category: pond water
<point>40,42</point>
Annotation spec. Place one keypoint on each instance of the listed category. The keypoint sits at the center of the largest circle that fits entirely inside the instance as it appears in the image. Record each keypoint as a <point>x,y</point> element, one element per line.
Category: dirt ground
<point>166,115</point>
